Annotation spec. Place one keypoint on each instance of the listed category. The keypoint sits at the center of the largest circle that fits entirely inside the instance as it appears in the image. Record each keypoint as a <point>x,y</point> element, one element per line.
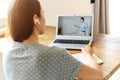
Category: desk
<point>106,47</point>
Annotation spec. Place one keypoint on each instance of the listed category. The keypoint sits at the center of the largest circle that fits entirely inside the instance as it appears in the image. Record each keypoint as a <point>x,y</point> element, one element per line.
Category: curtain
<point>101,16</point>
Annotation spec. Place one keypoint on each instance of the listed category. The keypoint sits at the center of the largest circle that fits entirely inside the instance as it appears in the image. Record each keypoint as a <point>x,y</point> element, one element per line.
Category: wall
<point>54,7</point>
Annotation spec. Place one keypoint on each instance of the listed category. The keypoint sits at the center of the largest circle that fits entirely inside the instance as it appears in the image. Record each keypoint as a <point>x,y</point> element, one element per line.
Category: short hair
<point>20,18</point>
<point>82,18</point>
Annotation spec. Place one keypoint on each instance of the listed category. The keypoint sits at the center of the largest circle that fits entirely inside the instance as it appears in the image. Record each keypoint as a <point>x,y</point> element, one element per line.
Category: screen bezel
<point>74,37</point>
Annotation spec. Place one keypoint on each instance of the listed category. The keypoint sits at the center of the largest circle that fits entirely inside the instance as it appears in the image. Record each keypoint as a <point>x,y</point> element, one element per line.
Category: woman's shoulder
<point>43,48</point>
<point>57,49</point>
<point>35,48</point>
<point>54,49</point>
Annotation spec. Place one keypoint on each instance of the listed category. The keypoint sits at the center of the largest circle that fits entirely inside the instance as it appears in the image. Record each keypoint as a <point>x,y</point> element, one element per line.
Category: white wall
<point>54,7</point>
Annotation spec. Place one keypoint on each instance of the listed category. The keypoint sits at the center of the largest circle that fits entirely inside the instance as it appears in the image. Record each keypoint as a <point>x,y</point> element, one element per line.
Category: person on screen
<point>83,26</point>
<point>28,59</point>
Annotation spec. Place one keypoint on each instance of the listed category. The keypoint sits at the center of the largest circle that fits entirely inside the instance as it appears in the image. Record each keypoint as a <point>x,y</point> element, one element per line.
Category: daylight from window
<point>114,6</point>
<point>4,8</point>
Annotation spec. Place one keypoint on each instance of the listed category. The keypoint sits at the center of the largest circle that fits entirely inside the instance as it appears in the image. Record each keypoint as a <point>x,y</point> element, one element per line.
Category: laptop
<point>73,31</point>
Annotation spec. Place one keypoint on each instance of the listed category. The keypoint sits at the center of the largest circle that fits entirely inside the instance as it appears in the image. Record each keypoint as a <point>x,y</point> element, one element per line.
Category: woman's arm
<point>90,71</point>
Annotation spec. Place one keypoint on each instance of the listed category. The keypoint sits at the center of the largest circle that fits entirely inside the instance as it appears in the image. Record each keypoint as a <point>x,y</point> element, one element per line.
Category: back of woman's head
<point>20,18</point>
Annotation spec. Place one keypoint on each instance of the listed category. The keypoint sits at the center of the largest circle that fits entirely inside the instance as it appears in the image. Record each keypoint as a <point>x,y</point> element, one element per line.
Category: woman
<point>29,60</point>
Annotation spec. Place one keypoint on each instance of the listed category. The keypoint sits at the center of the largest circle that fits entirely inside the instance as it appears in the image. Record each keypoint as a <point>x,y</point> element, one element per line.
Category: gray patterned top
<point>34,61</point>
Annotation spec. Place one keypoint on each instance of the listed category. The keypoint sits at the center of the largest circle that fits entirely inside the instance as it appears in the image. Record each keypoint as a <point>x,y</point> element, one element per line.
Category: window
<point>3,15</point>
<point>3,8</point>
<point>114,17</point>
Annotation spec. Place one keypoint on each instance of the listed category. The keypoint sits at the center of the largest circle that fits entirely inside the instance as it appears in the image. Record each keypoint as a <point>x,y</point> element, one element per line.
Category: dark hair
<point>82,18</point>
<point>20,18</point>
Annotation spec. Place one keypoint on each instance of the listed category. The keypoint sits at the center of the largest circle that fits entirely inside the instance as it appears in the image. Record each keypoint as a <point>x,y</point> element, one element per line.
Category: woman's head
<point>24,17</point>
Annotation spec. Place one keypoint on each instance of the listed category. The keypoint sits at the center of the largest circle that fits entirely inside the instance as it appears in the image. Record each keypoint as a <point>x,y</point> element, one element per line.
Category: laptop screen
<point>75,25</point>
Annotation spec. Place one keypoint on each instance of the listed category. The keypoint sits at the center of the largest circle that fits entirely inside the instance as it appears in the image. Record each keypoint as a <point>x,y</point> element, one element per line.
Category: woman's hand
<point>87,51</point>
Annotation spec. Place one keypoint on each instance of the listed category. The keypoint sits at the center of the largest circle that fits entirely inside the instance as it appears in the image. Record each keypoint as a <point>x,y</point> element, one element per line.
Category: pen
<point>90,43</point>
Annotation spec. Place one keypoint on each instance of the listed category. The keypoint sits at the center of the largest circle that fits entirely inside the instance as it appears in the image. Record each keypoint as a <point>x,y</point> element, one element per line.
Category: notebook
<point>73,31</point>
<point>81,58</point>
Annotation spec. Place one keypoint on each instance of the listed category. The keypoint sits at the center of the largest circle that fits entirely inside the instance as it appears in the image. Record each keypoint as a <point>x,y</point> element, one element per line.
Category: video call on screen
<point>73,26</point>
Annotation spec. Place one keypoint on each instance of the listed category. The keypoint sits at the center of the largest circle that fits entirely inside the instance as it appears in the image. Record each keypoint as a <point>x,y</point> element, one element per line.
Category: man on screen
<point>83,26</point>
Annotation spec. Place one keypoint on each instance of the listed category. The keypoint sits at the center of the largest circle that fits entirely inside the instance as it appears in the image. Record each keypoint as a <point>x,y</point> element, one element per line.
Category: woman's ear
<point>36,20</point>
<point>38,25</point>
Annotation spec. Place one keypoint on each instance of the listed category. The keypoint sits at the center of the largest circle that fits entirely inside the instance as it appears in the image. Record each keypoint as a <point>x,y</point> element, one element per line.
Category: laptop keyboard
<point>71,41</point>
